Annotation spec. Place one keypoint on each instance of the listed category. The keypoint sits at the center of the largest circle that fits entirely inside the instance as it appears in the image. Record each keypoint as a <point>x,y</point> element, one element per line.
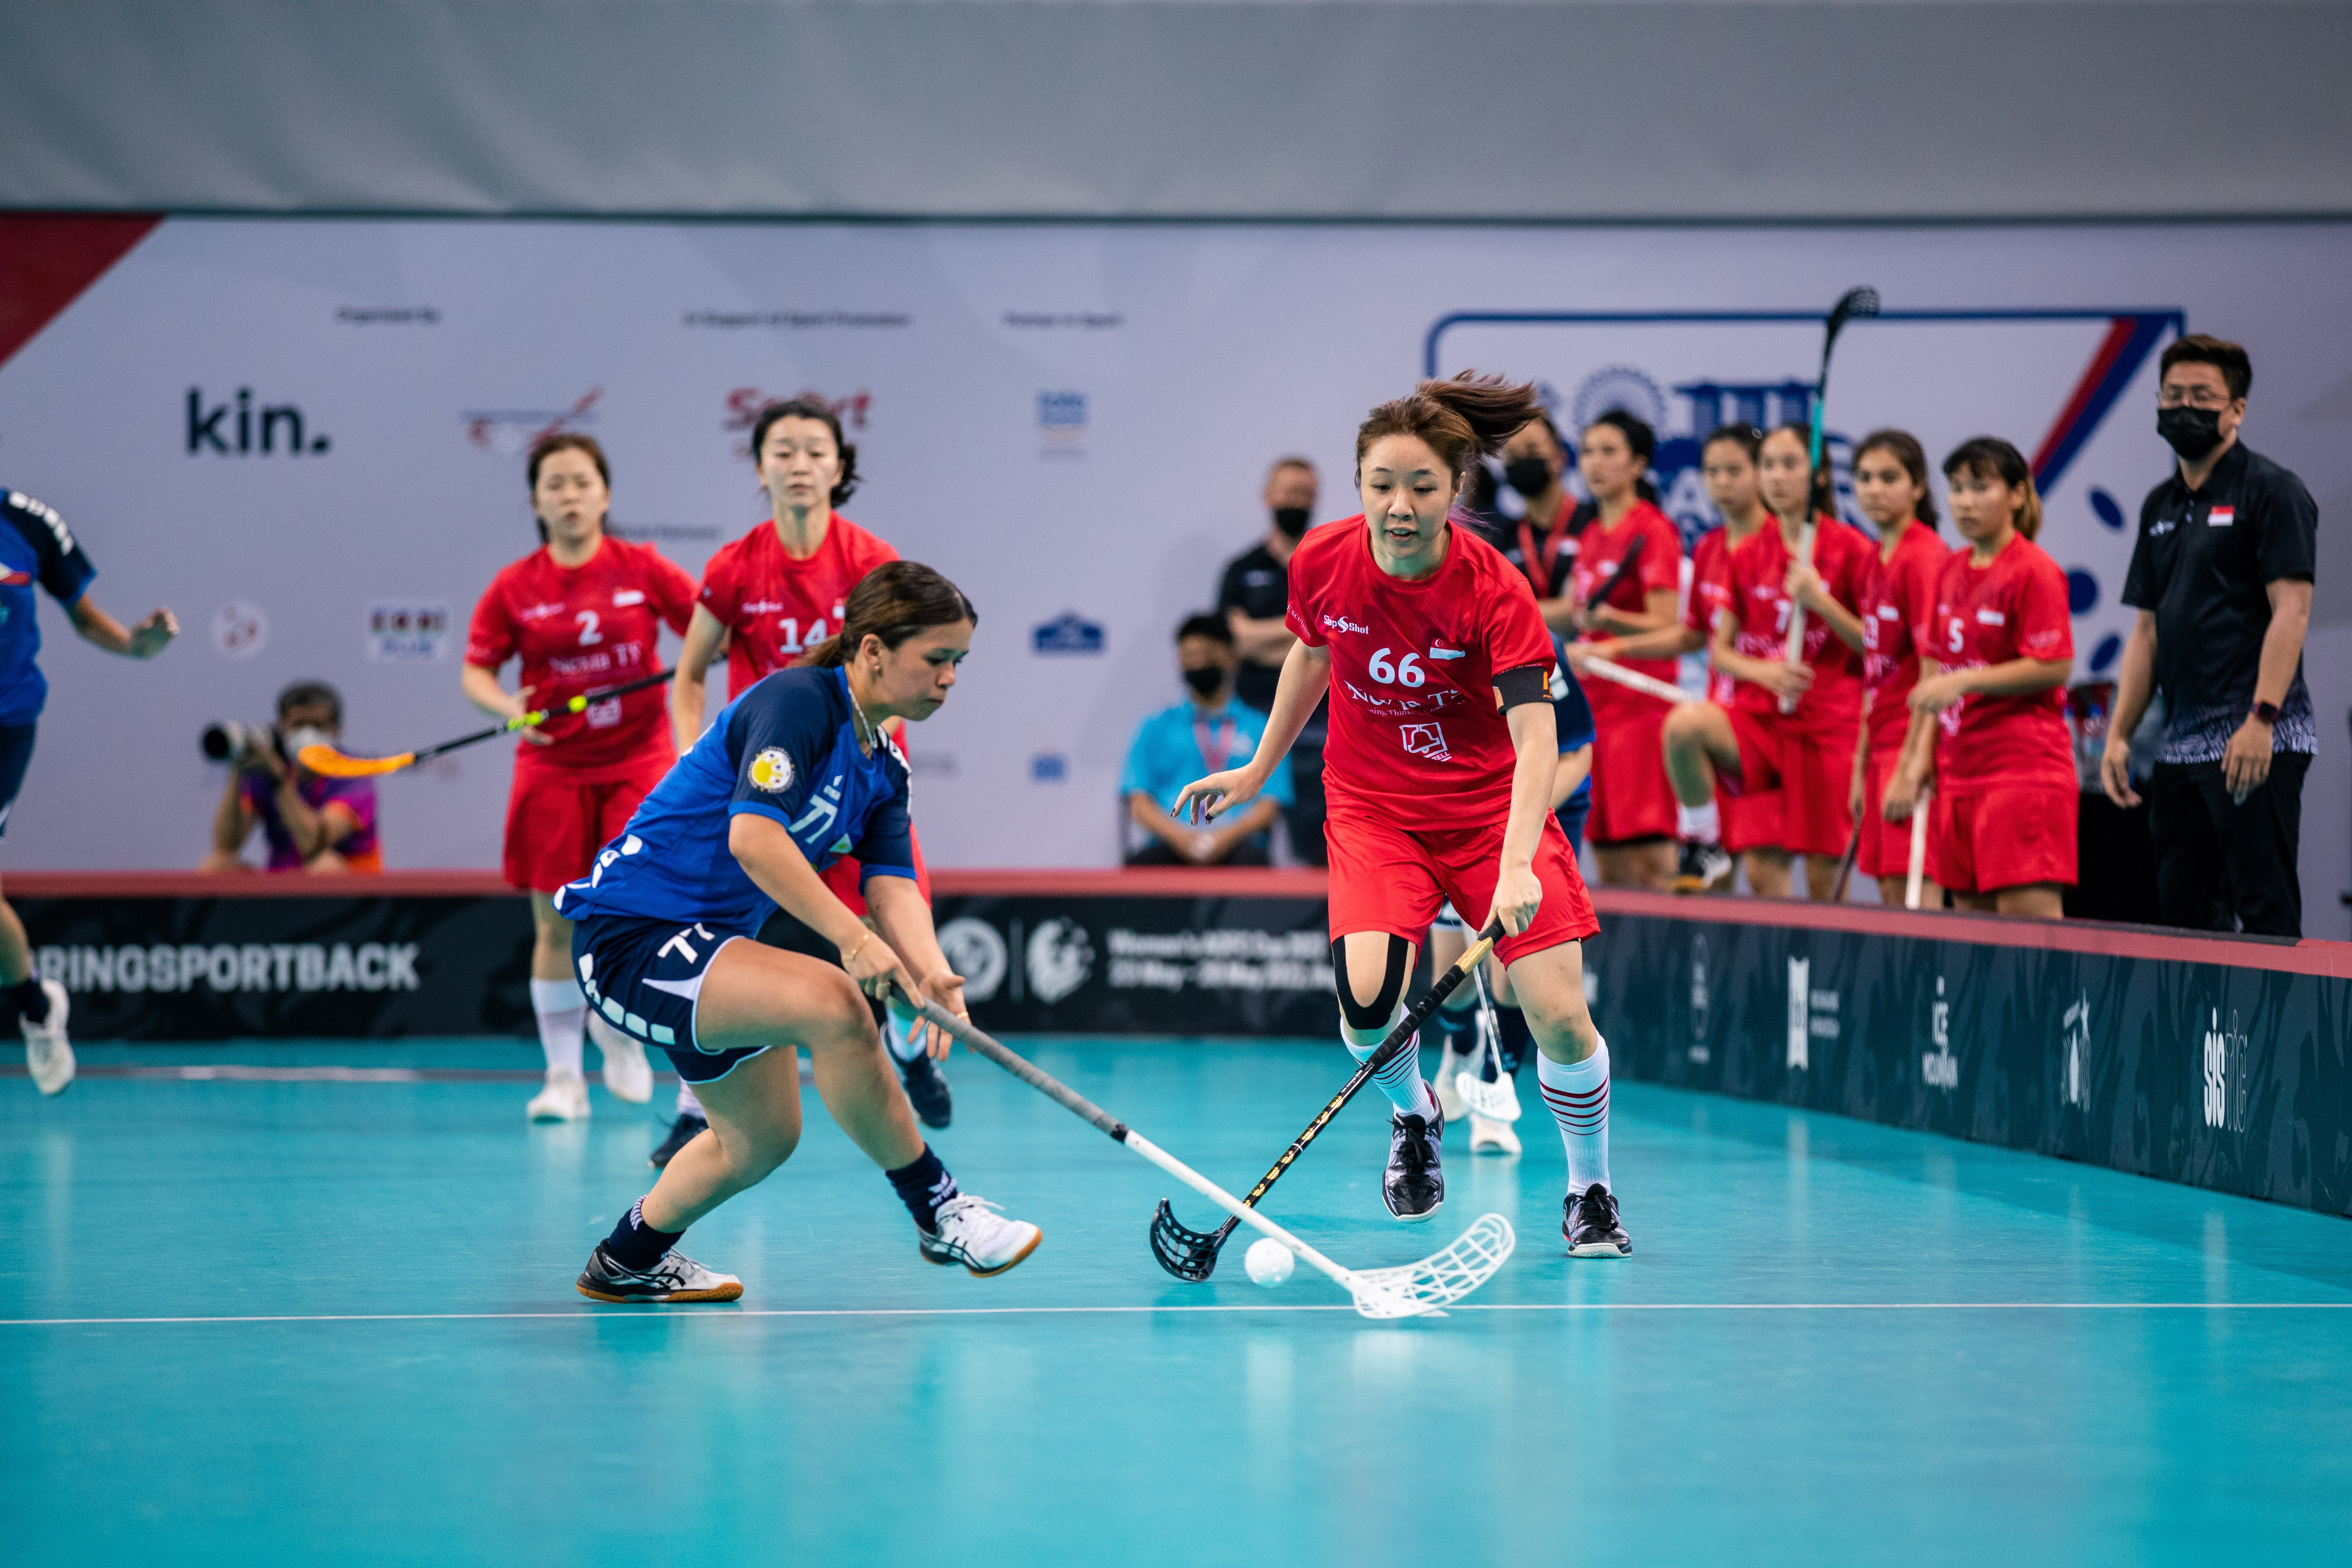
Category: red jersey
<point>1898,612</point>
<point>1760,571</point>
<point>1710,595</point>
<point>1600,553</point>
<point>580,627</point>
<point>2014,608</point>
<point>1414,733</point>
<point>773,605</point>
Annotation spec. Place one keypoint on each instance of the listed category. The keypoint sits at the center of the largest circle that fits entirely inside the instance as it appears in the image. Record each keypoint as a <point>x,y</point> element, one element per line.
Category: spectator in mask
<point>2222,579</point>
<point>1207,732</point>
<point>1253,597</point>
<point>312,823</point>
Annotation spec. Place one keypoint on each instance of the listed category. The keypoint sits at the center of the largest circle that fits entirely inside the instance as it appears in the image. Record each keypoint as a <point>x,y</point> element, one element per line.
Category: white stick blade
<point>1441,1278</point>
<point>1496,1102</point>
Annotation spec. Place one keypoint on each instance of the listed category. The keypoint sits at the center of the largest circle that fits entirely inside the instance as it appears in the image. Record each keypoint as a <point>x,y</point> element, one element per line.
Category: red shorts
<point>843,876</point>
<point>556,825</point>
<point>1886,846</point>
<point>1811,773</point>
<point>1391,878</point>
<point>1982,839</point>
<point>1630,796</point>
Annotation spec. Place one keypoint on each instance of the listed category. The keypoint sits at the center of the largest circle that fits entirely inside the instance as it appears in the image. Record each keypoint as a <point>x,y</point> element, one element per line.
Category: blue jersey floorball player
<point>37,548</point>
<point>794,774</point>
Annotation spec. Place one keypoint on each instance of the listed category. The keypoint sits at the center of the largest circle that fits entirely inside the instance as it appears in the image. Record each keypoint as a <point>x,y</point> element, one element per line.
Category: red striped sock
<point>1578,1093</point>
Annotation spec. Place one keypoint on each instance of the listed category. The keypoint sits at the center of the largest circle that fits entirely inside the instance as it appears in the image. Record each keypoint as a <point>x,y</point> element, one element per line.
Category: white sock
<point>687,1105</point>
<point>1400,1080</point>
<point>1700,823</point>
<point>1578,1093</point>
<point>899,1031</point>
<point>562,1010</point>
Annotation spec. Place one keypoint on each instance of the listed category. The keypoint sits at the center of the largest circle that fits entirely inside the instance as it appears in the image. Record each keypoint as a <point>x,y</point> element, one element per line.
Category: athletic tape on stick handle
<point>329,763</point>
<point>1193,1254</point>
<point>1635,680</point>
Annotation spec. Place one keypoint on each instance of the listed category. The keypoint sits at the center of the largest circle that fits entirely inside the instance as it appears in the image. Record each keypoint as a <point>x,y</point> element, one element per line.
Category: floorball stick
<point>1794,652</point>
<point>1912,889</point>
<point>1855,304</point>
<point>1407,1291</point>
<point>329,763</point>
<point>1190,1253</point>
<point>1635,680</point>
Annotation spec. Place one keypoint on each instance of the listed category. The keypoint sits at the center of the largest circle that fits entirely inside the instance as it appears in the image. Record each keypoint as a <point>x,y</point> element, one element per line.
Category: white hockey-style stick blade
<point>1440,1279</point>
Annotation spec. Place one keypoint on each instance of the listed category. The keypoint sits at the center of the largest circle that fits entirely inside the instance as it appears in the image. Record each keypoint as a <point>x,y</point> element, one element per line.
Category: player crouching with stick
<point>1438,778</point>
<point>794,773</point>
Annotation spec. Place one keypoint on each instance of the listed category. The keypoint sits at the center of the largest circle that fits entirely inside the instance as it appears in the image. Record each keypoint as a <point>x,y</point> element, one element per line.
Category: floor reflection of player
<point>582,611</point>
<point>766,599</point>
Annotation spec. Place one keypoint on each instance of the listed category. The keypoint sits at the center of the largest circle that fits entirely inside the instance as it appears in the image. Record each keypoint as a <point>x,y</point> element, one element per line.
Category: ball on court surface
<point>1268,1261</point>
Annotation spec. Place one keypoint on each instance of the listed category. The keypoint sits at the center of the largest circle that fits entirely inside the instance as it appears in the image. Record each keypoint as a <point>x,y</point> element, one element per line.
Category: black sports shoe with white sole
<point>674,1277</point>
<point>1589,1221</point>
<point>682,1132</point>
<point>1702,868</point>
<point>1413,1187</point>
<point>926,1090</point>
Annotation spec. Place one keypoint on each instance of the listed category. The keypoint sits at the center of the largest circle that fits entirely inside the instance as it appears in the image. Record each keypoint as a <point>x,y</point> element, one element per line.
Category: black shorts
<point>646,976</point>
<point>16,755</point>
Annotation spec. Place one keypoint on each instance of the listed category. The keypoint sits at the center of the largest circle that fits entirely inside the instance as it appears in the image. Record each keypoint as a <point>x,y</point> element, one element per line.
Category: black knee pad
<point>1392,979</point>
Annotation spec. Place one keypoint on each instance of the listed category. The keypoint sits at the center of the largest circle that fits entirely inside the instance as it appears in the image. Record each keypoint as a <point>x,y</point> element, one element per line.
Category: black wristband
<point>2267,712</point>
<point>1528,683</point>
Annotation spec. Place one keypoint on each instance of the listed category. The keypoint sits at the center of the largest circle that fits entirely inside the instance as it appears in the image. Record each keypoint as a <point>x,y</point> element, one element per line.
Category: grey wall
<point>1669,108</point>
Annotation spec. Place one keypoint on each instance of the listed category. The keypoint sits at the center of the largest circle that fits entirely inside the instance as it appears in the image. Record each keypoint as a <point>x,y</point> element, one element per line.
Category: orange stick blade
<point>329,763</point>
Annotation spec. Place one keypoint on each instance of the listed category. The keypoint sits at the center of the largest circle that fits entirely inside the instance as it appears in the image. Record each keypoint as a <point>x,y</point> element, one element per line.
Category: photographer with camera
<point>312,823</point>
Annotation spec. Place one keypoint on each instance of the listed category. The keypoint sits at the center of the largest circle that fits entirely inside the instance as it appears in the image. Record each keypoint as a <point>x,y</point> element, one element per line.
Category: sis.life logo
<point>1938,1068</point>
<point>2076,392</point>
<point>2224,1058</point>
<point>2074,1058</point>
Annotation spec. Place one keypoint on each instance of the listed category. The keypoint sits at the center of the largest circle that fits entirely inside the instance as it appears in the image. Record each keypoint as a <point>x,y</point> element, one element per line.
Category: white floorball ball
<point>1268,1261</point>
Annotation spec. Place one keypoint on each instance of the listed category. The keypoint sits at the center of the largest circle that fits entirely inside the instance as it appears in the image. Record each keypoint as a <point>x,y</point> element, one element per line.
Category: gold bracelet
<point>851,955</point>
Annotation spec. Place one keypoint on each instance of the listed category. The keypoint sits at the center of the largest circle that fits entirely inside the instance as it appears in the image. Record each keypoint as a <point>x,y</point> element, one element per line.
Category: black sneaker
<point>673,1277</point>
<point>1704,869</point>
<point>926,1090</point>
<point>1588,1220</point>
<point>1413,1187</point>
<point>682,1132</point>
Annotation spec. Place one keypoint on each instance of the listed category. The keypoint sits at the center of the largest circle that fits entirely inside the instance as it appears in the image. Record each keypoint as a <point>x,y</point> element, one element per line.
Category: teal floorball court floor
<point>256,1321</point>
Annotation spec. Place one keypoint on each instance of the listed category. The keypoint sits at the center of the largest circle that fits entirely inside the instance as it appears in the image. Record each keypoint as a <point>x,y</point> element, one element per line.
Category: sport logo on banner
<point>2062,374</point>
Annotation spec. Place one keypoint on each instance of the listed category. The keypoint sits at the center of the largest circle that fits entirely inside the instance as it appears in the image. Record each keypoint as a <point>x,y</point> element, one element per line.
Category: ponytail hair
<point>1990,456</point>
<point>1905,448</point>
<point>1462,419</point>
<point>893,602</point>
<point>556,441</point>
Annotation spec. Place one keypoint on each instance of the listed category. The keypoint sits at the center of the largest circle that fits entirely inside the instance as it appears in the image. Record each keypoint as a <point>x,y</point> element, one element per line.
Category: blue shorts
<point>16,755</point>
<point>646,977</point>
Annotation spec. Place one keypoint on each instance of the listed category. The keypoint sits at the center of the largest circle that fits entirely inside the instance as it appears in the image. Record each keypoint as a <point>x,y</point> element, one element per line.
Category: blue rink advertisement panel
<point>2215,1061</point>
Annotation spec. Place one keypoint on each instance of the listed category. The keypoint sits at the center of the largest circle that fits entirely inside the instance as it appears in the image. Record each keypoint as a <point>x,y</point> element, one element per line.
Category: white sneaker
<point>47,1053</point>
<point>971,1233</point>
<point>1496,1136</point>
<point>565,1099</point>
<point>626,1072</point>
<point>1449,1095</point>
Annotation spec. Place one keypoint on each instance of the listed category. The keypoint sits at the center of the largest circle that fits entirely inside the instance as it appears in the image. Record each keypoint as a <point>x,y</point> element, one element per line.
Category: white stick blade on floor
<point>1441,1278</point>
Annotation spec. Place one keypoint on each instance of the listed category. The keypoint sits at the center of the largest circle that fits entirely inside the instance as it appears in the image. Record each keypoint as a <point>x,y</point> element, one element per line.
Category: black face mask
<point>1528,476</point>
<point>1291,519</point>
<point>1207,680</point>
<point>2191,432</point>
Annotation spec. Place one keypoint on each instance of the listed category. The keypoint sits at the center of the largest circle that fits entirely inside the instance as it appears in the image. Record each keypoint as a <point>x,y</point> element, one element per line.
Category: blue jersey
<point>35,547</point>
<point>786,749</point>
<point>1571,713</point>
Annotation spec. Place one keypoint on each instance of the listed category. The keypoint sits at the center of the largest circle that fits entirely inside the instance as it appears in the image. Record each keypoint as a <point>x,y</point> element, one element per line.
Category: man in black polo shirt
<point>1253,597</point>
<point>2222,578</point>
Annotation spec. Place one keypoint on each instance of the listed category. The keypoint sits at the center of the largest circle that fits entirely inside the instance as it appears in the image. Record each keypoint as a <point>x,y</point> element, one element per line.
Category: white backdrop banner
<point>305,437</point>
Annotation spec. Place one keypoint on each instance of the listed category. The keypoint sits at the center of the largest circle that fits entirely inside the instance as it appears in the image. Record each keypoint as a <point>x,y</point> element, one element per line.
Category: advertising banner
<point>307,437</point>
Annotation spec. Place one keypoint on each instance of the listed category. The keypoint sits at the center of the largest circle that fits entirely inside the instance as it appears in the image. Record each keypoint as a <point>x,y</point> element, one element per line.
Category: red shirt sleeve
<point>1914,598</point>
<point>873,553</point>
<point>1515,634</point>
<point>1661,559</point>
<point>673,591</point>
<point>1298,615</point>
<point>722,586</point>
<point>490,639</point>
<point>2045,626</point>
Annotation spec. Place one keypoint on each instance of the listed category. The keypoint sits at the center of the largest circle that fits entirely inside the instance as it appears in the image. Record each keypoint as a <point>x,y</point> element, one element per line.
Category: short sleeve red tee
<point>578,627</point>
<point>1898,612</point>
<point>1414,732</point>
<point>1710,597</point>
<point>1759,572</point>
<point>774,605</point>
<point>2014,608</point>
<point>1600,553</point>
